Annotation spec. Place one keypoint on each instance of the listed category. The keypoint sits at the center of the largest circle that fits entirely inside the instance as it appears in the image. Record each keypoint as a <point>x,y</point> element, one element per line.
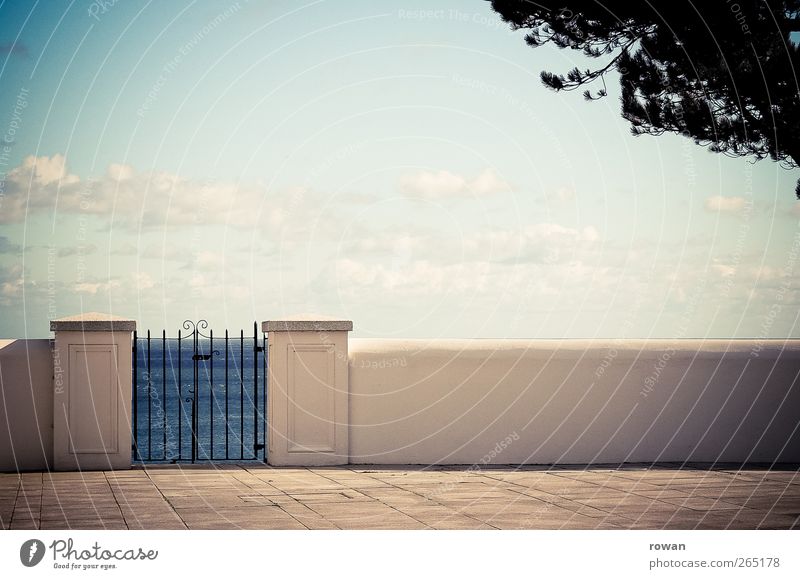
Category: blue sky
<point>398,164</point>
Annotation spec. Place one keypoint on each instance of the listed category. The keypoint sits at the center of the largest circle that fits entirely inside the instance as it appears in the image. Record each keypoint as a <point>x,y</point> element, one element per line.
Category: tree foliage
<point>721,72</point>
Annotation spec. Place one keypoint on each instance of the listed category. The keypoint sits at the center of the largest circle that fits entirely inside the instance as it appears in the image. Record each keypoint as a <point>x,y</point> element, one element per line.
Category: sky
<point>398,164</point>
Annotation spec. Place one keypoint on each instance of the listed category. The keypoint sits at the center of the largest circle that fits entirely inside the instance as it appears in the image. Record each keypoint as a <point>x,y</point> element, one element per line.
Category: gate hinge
<point>259,348</point>
<point>258,447</point>
<point>201,357</point>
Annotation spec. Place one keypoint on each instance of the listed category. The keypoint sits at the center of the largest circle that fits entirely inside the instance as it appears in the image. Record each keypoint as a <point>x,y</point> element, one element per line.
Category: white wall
<point>307,394</point>
<point>26,405</point>
<point>512,401</point>
<point>573,401</point>
<point>92,400</point>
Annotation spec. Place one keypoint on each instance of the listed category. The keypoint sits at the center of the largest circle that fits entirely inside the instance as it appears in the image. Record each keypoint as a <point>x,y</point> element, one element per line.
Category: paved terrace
<point>260,497</point>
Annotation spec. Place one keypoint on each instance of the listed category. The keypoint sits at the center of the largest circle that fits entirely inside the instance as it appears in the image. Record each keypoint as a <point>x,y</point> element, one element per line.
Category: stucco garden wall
<point>573,401</point>
<point>26,405</point>
<point>479,402</point>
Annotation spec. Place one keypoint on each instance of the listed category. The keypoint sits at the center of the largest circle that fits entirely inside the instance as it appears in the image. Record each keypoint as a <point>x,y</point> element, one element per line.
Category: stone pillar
<point>92,392</point>
<point>307,391</point>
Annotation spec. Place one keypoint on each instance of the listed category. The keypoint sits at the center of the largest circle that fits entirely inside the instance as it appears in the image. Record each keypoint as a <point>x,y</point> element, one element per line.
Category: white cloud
<point>566,193</point>
<point>208,260</point>
<point>590,234</point>
<point>388,264</point>
<point>388,242</point>
<point>165,252</point>
<point>433,185</point>
<point>447,185</point>
<point>487,183</point>
<point>43,171</point>
<point>119,172</point>
<point>357,279</point>
<point>125,248</point>
<point>12,281</point>
<point>542,258</point>
<point>143,281</point>
<point>34,185</point>
<point>724,204</point>
<point>70,250</point>
<point>724,270</point>
<point>537,243</point>
<point>544,243</point>
<point>133,201</point>
<point>767,273</point>
<point>95,287</point>
<point>194,259</point>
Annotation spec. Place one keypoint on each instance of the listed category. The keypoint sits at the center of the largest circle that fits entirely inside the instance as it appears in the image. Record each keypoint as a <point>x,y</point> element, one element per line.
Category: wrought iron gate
<point>199,397</point>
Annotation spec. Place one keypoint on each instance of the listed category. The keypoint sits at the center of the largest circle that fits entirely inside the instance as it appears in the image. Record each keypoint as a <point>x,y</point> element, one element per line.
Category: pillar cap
<point>307,323</point>
<point>93,322</point>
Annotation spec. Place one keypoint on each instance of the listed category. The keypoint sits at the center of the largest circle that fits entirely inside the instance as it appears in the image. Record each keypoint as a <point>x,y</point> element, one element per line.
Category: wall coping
<point>307,323</point>
<point>93,322</point>
<point>569,348</point>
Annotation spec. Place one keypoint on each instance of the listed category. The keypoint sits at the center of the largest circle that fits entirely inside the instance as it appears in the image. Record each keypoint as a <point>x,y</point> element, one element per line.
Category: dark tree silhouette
<point>721,72</point>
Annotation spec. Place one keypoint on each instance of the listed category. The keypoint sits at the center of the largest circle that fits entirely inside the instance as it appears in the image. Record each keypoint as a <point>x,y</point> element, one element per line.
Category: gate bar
<point>227,427</point>
<point>264,368</point>
<point>241,394</point>
<point>179,386</point>
<point>255,390</point>
<point>136,397</point>
<point>211,393</point>
<point>164,386</point>
<point>194,398</point>
<point>149,402</point>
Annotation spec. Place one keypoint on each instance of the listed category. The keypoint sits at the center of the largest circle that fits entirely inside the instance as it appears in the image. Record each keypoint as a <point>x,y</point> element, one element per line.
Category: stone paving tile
<point>390,492</point>
<point>74,512</point>
<point>594,493</point>
<point>768,504</point>
<point>662,493</point>
<point>700,503</point>
<point>307,517</point>
<point>23,513</point>
<point>171,521</point>
<point>440,516</point>
<point>329,497</point>
<point>741,494</point>
<point>544,521</point>
<point>366,516</point>
<point>781,522</point>
<point>317,523</point>
<point>24,525</point>
<point>787,477</point>
<point>256,517</point>
<point>586,510</point>
<point>542,516</point>
<point>370,497</point>
<point>205,502</point>
<point>459,524</point>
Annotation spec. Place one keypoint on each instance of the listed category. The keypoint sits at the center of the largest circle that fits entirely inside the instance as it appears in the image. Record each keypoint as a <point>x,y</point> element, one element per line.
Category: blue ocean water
<point>230,404</point>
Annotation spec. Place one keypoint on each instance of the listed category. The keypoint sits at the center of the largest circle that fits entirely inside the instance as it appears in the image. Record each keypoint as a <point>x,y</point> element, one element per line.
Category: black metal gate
<point>199,397</point>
